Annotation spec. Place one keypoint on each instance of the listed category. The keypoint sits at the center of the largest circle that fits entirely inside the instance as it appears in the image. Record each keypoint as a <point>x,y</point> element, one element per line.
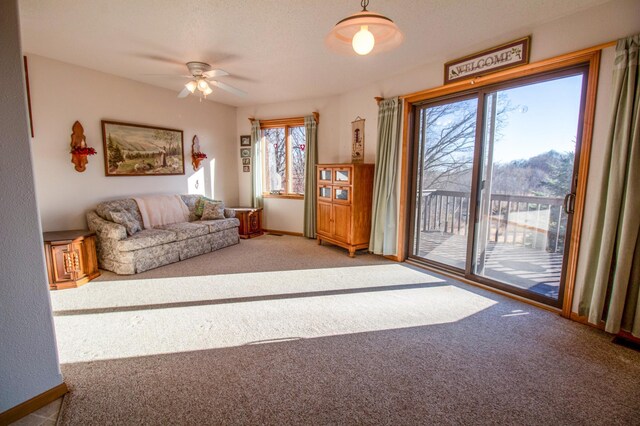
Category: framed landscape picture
<point>139,150</point>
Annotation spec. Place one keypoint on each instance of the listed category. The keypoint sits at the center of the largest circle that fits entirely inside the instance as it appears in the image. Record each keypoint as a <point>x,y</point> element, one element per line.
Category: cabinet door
<point>324,193</point>
<point>342,194</point>
<point>342,175</point>
<point>324,175</point>
<point>341,222</point>
<point>66,261</point>
<point>324,218</point>
<point>254,222</point>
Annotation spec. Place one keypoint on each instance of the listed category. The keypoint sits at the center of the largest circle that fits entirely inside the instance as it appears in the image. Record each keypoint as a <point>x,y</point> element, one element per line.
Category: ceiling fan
<point>201,79</point>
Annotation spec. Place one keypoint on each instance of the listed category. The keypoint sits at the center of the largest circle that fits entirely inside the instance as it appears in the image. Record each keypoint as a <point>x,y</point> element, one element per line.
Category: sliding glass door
<point>444,166</point>
<point>494,183</point>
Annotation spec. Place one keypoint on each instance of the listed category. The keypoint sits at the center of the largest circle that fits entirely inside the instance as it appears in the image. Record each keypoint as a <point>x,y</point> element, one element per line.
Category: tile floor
<point>47,415</point>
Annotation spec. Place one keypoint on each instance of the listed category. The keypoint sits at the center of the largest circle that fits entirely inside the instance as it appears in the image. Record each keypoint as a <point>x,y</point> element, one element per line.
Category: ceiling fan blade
<point>215,73</point>
<point>169,75</point>
<point>184,93</point>
<point>230,89</point>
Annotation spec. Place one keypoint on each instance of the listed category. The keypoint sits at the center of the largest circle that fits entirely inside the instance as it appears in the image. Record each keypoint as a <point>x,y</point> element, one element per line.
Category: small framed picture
<point>246,169</point>
<point>245,153</point>
<point>245,140</point>
<point>246,161</point>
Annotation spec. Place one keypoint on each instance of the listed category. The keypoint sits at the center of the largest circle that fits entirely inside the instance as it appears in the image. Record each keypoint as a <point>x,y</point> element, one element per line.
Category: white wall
<point>28,356</point>
<point>62,93</point>
<point>601,24</point>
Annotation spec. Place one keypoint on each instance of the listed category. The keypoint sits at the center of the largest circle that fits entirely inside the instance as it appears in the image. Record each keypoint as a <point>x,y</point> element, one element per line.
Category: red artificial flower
<point>199,155</point>
<point>86,150</point>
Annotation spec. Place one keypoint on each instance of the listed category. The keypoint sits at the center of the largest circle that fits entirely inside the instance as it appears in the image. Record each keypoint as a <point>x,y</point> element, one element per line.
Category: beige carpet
<point>279,330</point>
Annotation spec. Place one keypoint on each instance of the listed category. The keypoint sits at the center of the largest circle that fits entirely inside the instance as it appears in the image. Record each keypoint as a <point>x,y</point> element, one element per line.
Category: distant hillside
<point>547,175</point>
<point>134,145</point>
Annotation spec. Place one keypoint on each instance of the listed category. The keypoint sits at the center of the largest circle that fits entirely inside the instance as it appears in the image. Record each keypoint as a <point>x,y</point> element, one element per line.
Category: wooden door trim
<point>581,189</point>
<point>590,57</point>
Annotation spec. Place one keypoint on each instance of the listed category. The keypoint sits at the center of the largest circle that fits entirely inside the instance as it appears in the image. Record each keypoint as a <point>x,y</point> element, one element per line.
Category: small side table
<point>250,221</point>
<point>71,258</point>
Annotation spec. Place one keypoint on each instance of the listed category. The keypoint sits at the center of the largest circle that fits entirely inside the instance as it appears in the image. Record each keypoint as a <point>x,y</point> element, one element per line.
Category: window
<point>284,143</point>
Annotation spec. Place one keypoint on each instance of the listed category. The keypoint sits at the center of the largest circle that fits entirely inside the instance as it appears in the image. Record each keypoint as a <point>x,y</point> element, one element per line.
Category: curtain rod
<point>379,99</point>
<point>315,114</point>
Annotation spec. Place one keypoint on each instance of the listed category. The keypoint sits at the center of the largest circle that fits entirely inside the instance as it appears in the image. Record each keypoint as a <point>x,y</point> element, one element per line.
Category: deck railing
<point>535,222</point>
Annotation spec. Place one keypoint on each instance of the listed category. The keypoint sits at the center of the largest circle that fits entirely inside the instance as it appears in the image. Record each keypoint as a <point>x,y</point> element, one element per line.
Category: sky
<point>545,118</point>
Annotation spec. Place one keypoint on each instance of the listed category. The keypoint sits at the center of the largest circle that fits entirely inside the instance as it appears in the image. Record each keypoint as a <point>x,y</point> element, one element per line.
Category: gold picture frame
<point>141,150</point>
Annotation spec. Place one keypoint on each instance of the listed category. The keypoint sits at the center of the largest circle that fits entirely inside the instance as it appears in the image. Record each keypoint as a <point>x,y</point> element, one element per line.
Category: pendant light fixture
<point>364,32</point>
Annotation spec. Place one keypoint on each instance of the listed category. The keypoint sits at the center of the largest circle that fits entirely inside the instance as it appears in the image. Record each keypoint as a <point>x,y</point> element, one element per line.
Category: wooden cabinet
<point>250,222</point>
<point>344,205</point>
<point>71,258</point>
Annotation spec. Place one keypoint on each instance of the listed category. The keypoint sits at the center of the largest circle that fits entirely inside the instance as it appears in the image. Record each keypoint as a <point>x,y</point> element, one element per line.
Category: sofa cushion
<point>200,204</point>
<point>146,238</point>
<point>221,224</point>
<point>129,204</point>
<point>213,210</point>
<point>186,230</point>
<point>126,219</point>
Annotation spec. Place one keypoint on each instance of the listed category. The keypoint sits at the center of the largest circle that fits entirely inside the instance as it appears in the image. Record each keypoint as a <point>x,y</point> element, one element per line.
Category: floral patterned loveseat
<point>151,248</point>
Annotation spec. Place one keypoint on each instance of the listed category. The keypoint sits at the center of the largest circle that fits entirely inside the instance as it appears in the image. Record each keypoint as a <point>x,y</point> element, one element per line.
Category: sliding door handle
<point>569,203</point>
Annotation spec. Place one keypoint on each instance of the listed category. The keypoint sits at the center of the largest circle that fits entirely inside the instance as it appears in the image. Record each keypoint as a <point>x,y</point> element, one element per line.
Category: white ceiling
<point>274,49</point>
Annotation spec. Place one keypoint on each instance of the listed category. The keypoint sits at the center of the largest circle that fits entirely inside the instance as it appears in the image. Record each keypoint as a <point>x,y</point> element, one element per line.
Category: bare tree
<point>448,135</point>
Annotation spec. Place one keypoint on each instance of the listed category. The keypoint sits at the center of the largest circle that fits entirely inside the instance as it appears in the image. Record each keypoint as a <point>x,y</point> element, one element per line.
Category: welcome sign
<point>508,55</point>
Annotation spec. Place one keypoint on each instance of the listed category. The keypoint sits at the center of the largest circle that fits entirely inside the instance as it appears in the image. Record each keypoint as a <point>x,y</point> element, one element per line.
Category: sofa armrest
<point>105,228</point>
<point>229,213</point>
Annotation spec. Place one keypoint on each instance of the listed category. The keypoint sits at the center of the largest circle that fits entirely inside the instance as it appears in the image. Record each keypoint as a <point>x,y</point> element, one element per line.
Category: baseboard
<point>584,320</point>
<point>294,234</point>
<point>33,404</point>
<point>601,326</point>
<point>392,257</point>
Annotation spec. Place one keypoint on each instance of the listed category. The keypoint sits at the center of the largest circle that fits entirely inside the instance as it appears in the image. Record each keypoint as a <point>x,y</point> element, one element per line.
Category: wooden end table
<point>71,258</point>
<point>250,221</point>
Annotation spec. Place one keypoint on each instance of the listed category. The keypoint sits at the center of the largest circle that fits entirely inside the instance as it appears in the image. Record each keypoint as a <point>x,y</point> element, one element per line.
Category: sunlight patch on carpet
<point>424,300</point>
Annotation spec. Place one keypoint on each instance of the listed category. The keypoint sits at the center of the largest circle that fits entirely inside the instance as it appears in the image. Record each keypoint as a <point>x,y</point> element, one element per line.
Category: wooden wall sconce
<point>196,155</point>
<point>79,149</point>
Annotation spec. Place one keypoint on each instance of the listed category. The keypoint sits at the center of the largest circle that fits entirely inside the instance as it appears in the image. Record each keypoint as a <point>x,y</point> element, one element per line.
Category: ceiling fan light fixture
<point>207,91</point>
<point>203,85</point>
<point>191,86</point>
<point>364,32</point>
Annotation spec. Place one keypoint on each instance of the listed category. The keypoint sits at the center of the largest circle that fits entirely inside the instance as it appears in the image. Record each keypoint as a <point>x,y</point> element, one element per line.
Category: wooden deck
<point>532,269</point>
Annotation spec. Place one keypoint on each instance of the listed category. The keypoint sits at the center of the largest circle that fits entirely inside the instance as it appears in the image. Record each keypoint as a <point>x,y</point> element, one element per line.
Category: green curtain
<point>256,170</point>
<point>311,159</point>
<point>612,278</point>
<point>384,223</point>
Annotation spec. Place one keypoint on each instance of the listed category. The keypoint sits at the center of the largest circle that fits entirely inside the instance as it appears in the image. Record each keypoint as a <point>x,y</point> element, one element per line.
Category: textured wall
<point>28,355</point>
<point>589,27</point>
<point>62,93</point>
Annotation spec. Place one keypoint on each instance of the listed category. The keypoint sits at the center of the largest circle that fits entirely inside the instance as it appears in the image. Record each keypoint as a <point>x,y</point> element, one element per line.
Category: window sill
<point>285,196</point>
